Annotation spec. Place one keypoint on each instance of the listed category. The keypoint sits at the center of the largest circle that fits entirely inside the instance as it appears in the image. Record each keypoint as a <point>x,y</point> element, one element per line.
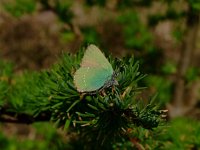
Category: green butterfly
<point>95,73</point>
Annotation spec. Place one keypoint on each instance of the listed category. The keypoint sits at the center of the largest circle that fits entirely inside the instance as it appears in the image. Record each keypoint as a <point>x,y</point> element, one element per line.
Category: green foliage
<point>163,86</point>
<point>5,75</point>
<point>105,118</point>
<point>195,4</point>
<point>90,35</point>
<point>100,119</point>
<point>146,139</point>
<point>192,74</point>
<point>21,92</point>
<point>169,68</point>
<point>171,13</point>
<point>135,33</point>
<point>131,3</point>
<point>20,7</point>
<point>96,2</point>
<point>178,34</point>
<point>182,133</point>
<point>44,137</point>
<point>67,36</point>
<point>60,8</point>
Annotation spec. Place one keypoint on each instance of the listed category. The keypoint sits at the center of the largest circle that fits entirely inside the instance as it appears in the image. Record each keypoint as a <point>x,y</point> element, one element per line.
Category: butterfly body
<point>95,71</point>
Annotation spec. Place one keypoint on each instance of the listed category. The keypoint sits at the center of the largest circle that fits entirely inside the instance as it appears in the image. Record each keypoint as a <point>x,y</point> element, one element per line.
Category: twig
<point>21,118</point>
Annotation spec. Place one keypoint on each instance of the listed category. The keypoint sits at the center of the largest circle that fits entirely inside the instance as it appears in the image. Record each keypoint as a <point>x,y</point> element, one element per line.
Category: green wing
<point>91,79</point>
<point>93,57</point>
<point>95,70</point>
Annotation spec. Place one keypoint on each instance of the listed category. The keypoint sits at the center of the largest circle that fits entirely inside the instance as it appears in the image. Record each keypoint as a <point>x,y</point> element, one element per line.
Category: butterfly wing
<point>90,79</point>
<point>93,57</point>
<point>95,70</point>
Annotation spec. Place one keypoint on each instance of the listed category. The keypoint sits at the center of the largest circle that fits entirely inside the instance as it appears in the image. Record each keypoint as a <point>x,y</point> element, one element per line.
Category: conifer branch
<point>20,118</point>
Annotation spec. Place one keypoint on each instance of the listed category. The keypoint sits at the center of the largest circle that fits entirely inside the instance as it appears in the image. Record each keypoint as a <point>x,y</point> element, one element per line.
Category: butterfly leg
<point>103,93</point>
<point>113,89</point>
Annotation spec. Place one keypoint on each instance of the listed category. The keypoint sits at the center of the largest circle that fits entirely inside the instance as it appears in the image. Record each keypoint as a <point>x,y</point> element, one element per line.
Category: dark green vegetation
<point>118,118</point>
<point>100,120</point>
<point>162,36</point>
<point>41,136</point>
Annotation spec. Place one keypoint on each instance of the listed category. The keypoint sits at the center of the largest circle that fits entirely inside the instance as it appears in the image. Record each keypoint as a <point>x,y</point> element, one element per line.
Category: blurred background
<point>163,35</point>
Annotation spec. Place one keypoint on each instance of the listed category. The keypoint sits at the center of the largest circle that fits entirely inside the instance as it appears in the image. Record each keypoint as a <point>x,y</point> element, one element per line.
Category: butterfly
<point>95,72</point>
